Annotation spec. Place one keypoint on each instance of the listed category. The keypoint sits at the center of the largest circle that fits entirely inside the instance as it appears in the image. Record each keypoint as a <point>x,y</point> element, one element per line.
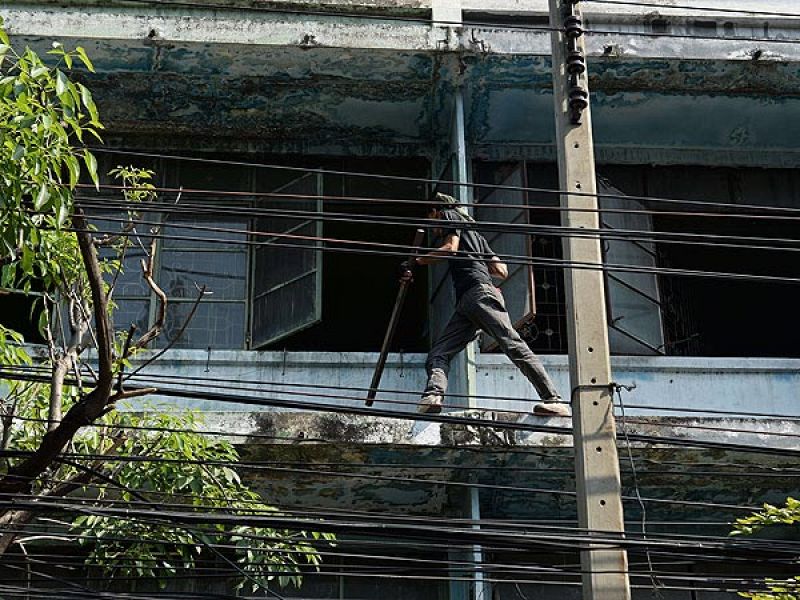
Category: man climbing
<point>479,306</point>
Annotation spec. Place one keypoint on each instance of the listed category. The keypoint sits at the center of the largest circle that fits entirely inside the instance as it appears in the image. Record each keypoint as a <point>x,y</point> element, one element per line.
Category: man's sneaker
<point>430,404</point>
<point>552,407</point>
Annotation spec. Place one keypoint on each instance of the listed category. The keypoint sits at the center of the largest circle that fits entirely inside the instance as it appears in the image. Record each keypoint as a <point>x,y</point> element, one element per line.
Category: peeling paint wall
<point>260,81</point>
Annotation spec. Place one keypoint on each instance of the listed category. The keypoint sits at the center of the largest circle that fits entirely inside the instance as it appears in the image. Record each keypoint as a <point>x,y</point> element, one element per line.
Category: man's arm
<point>497,268</point>
<point>449,248</point>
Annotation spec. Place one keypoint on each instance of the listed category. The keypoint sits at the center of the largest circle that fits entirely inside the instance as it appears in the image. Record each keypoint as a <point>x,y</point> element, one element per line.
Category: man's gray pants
<point>482,308</point>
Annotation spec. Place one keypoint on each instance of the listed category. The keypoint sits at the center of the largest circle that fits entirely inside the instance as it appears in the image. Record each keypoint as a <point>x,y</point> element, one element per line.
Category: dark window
<point>678,314</point>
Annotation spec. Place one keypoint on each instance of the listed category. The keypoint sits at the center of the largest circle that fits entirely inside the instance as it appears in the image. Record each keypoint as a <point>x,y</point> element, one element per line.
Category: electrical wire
<point>380,544</point>
<point>776,472</point>
<point>220,382</point>
<point>512,538</point>
<point>337,541</point>
<point>402,251</point>
<point>454,419</point>
<point>664,237</point>
<point>407,179</point>
<point>367,569</point>
<point>571,540</point>
<point>257,386</point>
<point>407,562</point>
<point>246,466</point>
<point>427,564</point>
<point>399,558</point>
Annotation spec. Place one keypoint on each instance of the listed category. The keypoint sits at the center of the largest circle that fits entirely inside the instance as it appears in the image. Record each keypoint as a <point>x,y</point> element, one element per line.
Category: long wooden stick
<point>419,236</point>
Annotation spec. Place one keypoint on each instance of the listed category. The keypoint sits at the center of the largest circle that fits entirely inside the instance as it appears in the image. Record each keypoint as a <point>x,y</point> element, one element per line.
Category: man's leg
<point>458,332</point>
<point>487,308</point>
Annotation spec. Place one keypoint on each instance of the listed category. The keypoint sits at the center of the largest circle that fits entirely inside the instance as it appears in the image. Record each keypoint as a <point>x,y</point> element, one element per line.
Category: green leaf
<point>41,197</point>
<point>74,169</point>
<point>91,166</point>
<point>18,153</point>
<point>62,83</point>
<point>63,212</point>
<point>85,58</point>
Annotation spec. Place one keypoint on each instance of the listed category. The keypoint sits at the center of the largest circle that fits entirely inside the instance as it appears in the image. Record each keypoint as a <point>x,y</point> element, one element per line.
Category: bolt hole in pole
<point>602,502</point>
<point>594,379</point>
<point>590,349</point>
<point>599,449</point>
<point>596,403</point>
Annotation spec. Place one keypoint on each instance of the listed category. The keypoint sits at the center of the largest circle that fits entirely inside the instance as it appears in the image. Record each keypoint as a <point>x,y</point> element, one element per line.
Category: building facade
<point>333,109</point>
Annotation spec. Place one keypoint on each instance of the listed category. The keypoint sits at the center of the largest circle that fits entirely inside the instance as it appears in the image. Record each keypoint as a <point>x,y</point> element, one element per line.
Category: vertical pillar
<point>466,361</point>
<point>447,12</point>
<point>605,571</point>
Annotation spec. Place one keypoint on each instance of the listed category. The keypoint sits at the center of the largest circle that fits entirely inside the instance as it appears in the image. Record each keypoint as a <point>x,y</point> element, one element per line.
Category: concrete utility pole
<point>605,571</point>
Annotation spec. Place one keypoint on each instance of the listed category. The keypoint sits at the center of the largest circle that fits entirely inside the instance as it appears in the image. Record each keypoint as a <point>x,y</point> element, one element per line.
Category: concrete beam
<point>592,10</point>
<point>162,25</point>
<point>334,428</point>
<point>238,27</point>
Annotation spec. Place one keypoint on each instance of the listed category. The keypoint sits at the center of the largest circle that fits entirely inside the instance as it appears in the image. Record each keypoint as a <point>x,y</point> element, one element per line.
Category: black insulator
<point>573,26</point>
<point>578,98</point>
<point>575,63</point>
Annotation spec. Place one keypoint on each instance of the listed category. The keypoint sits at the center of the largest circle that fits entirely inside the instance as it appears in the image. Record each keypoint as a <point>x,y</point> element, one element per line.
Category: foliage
<point>184,470</point>
<point>44,119</point>
<point>772,516</point>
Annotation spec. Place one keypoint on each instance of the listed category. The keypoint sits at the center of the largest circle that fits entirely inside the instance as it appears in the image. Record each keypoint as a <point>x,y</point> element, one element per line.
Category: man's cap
<point>449,203</point>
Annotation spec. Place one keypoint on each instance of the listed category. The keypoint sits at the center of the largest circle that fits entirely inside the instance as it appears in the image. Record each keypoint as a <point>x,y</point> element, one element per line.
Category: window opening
<point>287,282</point>
<point>633,299</point>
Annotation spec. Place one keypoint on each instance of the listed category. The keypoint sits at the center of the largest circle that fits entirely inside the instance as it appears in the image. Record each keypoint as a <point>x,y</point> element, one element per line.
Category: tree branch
<point>22,517</point>
<point>92,405</point>
<point>161,315</point>
<point>171,343</point>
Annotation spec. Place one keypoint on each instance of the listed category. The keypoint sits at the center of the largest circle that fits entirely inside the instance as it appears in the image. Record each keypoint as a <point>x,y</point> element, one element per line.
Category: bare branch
<point>161,314</point>
<point>171,343</point>
<point>126,394</point>
<point>125,352</point>
<point>65,361</point>
<point>22,517</point>
<point>108,240</point>
<point>60,367</point>
<point>84,312</point>
<point>20,477</point>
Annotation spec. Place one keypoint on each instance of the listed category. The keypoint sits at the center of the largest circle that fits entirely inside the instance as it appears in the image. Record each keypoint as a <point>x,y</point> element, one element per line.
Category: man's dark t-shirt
<point>472,245</point>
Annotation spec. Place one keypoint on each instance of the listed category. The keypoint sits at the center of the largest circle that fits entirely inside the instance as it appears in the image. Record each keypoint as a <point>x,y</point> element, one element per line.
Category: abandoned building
<point>350,104</point>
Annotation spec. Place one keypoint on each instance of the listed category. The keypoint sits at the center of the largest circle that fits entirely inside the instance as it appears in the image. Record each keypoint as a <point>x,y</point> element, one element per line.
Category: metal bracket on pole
<point>604,568</point>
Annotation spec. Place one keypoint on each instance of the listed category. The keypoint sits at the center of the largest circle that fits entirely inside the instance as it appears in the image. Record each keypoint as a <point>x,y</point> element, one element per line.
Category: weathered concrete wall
<point>382,464</point>
<point>259,81</point>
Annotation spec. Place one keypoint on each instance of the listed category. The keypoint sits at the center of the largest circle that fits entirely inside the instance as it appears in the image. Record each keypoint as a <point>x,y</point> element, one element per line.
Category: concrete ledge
<point>667,386</point>
<point>303,428</point>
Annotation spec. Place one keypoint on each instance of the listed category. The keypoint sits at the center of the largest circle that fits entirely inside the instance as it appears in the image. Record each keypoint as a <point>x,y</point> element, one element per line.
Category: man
<point>479,306</point>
